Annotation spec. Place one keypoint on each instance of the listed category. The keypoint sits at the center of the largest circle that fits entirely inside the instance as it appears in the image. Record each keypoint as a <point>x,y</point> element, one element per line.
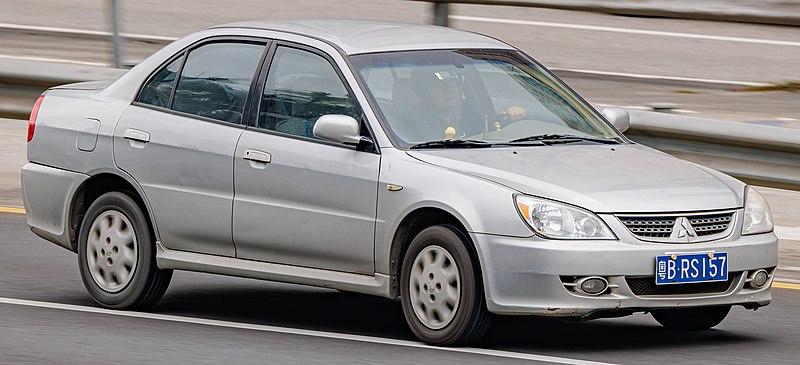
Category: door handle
<point>136,135</point>
<point>257,156</point>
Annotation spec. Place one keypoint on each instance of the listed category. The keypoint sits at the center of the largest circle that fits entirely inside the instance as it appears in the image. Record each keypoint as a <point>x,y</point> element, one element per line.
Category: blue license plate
<point>691,268</point>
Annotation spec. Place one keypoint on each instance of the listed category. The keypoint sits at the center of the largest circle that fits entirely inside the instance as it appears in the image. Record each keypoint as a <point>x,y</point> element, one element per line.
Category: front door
<point>300,200</point>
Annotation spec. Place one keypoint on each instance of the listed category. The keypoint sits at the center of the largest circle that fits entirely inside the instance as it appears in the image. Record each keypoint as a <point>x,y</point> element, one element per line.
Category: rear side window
<point>215,80</point>
<point>158,90</point>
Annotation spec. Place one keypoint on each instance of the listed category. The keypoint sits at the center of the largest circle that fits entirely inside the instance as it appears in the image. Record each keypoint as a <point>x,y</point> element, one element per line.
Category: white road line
<point>301,332</point>
<point>56,60</point>
<point>788,233</point>
<point>659,77</point>
<point>627,30</point>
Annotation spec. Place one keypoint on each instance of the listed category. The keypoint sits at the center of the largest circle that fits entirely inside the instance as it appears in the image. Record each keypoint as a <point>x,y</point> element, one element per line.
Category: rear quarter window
<point>158,90</point>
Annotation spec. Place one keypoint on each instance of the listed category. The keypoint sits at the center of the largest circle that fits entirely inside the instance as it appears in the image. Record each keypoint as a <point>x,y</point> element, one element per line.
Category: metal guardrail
<point>758,154</point>
<point>21,82</point>
<point>752,11</point>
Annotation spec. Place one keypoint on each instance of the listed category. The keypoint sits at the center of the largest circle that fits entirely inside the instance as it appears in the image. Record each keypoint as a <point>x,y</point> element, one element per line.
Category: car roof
<point>361,36</point>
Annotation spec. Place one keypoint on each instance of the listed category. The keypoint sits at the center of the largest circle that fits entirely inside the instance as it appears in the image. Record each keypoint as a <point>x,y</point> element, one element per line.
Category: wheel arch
<point>99,183</point>
<point>410,226</point>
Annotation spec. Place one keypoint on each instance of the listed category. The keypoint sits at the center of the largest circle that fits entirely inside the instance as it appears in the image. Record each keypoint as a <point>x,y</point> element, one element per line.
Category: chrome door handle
<point>136,135</point>
<point>257,156</point>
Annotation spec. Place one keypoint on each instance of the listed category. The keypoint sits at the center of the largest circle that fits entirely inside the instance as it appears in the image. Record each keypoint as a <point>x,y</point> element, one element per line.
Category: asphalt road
<point>588,42</point>
<point>33,269</point>
<point>594,44</point>
<point>610,43</point>
<point>262,322</point>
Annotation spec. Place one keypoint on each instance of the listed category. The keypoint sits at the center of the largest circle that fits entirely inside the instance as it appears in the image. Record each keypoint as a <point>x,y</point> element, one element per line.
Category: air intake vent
<point>646,286</point>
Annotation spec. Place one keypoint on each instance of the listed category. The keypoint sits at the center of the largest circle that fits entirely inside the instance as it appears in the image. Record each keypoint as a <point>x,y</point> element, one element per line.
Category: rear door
<point>301,200</point>
<point>178,141</point>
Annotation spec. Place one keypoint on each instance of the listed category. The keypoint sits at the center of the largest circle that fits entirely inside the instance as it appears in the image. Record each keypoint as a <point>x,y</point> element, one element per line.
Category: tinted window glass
<point>216,79</point>
<point>301,87</point>
<point>159,88</point>
<point>496,96</point>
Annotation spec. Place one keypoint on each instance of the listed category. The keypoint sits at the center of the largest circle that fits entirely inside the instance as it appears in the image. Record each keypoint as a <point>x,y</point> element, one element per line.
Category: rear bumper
<point>526,276</point>
<point>47,194</point>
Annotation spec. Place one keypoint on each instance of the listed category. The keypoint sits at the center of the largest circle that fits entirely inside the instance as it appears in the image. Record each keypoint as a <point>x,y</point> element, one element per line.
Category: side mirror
<point>618,117</point>
<point>338,128</point>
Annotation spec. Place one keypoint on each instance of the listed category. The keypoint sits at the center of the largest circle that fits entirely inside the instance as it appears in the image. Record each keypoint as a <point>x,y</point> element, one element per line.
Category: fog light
<point>759,278</point>
<point>593,285</point>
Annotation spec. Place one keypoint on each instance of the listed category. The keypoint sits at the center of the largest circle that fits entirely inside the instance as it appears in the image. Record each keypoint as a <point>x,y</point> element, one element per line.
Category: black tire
<point>692,319</point>
<point>471,318</point>
<point>146,283</point>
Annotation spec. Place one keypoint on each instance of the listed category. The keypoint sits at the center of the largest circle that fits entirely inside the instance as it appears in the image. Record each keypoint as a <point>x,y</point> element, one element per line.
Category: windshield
<point>493,96</point>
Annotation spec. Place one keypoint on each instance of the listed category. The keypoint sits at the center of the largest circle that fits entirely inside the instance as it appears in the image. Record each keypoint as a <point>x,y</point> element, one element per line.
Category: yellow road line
<point>12,210</point>
<point>786,285</point>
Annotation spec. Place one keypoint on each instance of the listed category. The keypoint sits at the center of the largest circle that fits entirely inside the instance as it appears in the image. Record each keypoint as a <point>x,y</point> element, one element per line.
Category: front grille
<point>706,225</point>
<point>646,286</point>
<point>649,226</point>
<point>659,227</point>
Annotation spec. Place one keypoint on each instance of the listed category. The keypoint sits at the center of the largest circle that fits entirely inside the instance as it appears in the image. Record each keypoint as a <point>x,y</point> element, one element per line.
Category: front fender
<point>481,206</point>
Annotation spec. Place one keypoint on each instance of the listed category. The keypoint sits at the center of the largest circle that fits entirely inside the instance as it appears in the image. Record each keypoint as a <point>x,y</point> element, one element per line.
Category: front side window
<point>216,80</point>
<point>491,96</point>
<point>301,87</point>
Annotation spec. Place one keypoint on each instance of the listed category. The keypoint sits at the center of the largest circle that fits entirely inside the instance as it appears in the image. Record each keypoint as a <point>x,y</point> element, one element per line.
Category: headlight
<point>556,220</point>
<point>757,216</point>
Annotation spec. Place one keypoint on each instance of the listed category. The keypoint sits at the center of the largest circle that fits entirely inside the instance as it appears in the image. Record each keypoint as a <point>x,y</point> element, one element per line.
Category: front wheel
<point>116,255</point>
<point>441,288</point>
<point>692,319</point>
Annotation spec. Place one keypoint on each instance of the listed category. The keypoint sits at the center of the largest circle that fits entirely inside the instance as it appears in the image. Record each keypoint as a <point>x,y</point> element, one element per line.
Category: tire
<point>441,289</point>
<point>116,255</point>
<point>692,319</point>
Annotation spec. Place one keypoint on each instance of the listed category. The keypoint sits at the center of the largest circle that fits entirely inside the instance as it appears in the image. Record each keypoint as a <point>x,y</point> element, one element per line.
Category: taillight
<point>32,119</point>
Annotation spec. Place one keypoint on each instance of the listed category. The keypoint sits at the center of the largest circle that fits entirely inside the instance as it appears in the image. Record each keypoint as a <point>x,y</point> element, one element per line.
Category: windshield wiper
<point>452,143</point>
<point>562,138</point>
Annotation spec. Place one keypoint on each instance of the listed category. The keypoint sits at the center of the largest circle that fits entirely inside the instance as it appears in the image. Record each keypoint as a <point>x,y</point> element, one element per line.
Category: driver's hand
<point>515,113</point>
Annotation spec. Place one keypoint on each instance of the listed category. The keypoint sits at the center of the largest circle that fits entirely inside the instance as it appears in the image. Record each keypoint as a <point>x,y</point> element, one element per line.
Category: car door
<point>300,200</point>
<point>178,140</point>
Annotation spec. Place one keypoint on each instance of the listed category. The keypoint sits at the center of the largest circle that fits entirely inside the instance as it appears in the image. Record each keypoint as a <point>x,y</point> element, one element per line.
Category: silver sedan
<point>443,167</point>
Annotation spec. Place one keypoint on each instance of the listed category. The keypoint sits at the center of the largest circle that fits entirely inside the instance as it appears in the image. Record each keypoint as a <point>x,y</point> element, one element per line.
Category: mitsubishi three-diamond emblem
<point>683,230</point>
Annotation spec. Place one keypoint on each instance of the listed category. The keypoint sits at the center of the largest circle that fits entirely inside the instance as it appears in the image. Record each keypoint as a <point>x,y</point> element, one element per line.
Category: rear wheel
<point>441,288</point>
<point>692,319</point>
<point>116,255</point>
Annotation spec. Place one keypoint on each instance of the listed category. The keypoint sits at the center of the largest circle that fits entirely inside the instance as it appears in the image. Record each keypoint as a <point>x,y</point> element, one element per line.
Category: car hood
<point>626,178</point>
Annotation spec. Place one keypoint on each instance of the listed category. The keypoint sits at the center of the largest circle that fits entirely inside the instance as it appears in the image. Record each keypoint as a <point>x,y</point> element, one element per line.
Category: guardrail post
<point>115,38</point>
<point>441,11</point>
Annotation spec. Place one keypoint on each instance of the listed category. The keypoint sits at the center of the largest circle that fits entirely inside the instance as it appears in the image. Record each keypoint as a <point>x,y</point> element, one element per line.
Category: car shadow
<point>294,306</point>
<point>628,334</point>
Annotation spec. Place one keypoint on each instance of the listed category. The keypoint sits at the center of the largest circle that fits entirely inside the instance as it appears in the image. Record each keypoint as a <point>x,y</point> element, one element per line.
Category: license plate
<point>691,268</point>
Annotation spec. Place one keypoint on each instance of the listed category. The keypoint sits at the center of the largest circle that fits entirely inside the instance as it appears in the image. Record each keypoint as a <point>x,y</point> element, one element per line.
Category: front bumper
<point>526,276</point>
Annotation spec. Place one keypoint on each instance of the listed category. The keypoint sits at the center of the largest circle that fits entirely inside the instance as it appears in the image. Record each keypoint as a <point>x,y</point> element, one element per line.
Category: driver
<point>441,112</point>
